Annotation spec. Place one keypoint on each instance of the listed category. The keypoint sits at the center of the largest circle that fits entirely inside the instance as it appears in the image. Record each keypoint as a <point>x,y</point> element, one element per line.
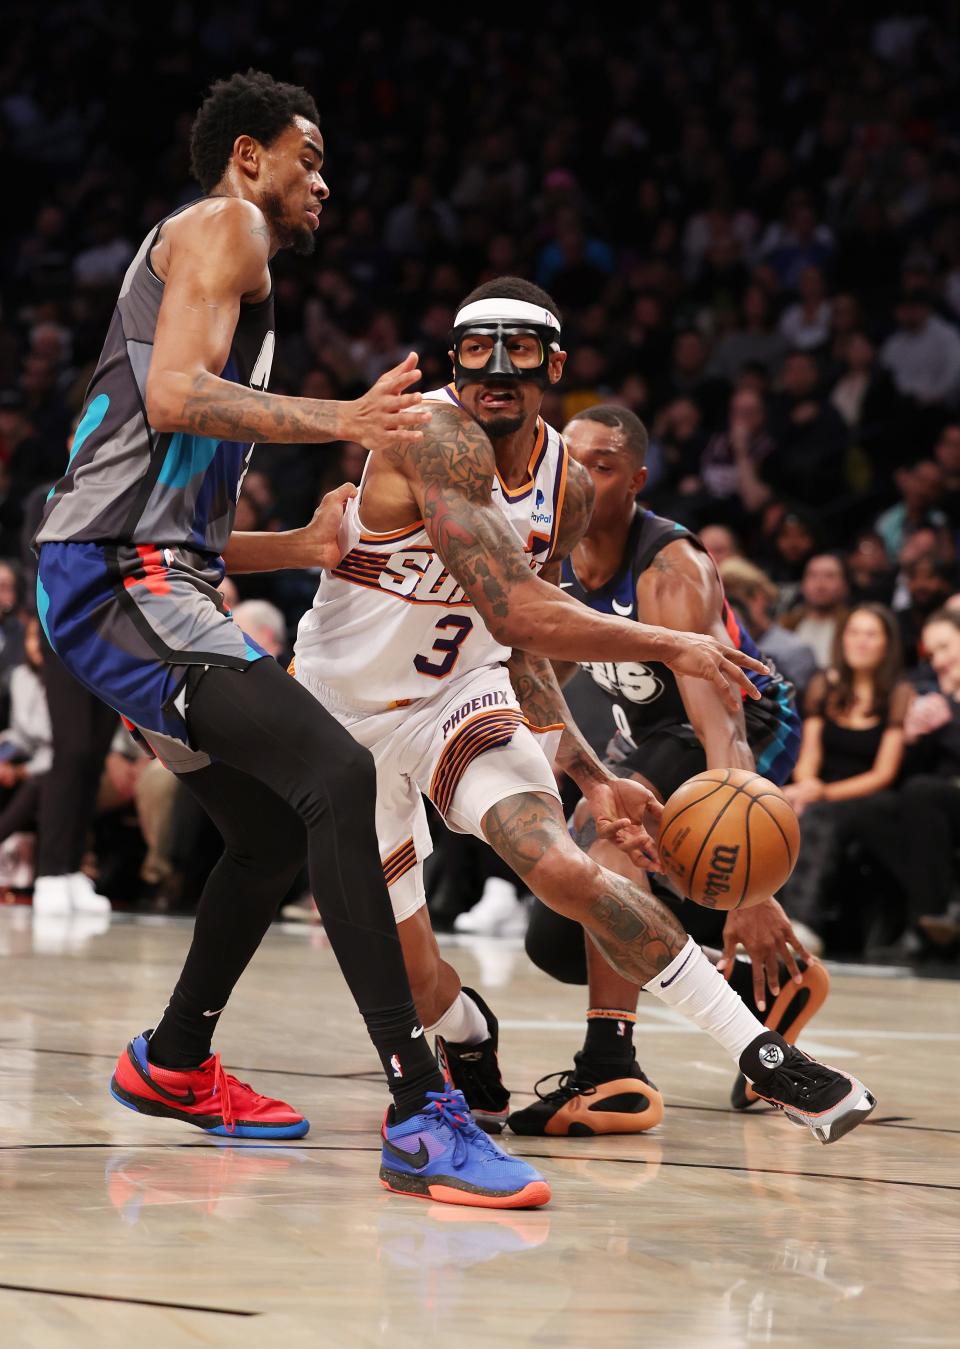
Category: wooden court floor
<point>716,1230</point>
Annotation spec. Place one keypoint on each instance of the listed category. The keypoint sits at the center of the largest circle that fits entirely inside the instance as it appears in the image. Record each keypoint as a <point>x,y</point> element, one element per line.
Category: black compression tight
<point>287,775</point>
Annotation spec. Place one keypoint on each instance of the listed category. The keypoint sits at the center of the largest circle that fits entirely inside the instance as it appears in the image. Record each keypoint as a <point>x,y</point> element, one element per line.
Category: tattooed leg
<point>634,931</point>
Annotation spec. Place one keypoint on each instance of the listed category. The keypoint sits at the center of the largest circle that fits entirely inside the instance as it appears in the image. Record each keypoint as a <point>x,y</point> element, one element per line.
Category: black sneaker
<point>792,1008</point>
<point>475,1070</point>
<point>825,1101</point>
<point>580,1108</point>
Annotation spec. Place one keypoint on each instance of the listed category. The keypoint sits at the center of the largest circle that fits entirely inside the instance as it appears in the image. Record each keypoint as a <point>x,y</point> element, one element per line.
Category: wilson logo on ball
<point>723,862</point>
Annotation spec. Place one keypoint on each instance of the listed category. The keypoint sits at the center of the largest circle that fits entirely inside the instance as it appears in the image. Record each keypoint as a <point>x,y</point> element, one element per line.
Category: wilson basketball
<point>728,839</point>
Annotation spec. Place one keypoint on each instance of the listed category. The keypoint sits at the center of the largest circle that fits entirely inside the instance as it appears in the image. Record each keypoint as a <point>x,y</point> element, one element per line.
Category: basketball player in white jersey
<point>408,644</point>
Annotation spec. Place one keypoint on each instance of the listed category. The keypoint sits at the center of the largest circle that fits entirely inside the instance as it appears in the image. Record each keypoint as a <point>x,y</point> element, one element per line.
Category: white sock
<point>691,985</point>
<point>462,1023</point>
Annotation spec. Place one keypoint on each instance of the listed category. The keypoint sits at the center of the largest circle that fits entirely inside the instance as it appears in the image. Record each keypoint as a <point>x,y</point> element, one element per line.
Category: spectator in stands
<point>732,463</point>
<point>929,584</point>
<point>756,597</point>
<point>720,542</point>
<point>923,353</point>
<point>869,573</point>
<point>752,342</point>
<point>915,831</point>
<point>11,631</point>
<point>921,489</point>
<point>26,745</point>
<point>688,377</point>
<point>793,544</point>
<point>852,747</point>
<point>867,401</point>
<point>947,455</point>
<point>805,325</point>
<point>265,624</point>
<point>678,441</point>
<point>817,619</point>
<point>797,242</point>
<point>810,435</point>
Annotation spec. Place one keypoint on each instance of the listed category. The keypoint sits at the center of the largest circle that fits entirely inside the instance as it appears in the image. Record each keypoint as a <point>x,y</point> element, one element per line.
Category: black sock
<point>410,1068</point>
<point>608,1047</point>
<point>180,1042</point>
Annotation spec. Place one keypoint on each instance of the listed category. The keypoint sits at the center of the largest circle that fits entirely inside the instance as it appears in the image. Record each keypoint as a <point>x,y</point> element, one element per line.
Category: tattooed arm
<point>614,802</point>
<point>450,473</point>
<point>534,680</point>
<point>211,260</point>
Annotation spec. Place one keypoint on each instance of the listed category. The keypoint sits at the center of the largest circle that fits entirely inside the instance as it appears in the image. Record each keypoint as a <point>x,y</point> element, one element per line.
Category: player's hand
<point>703,657</point>
<point>320,537</point>
<point>387,417</point>
<point>766,934</point>
<point>628,815</point>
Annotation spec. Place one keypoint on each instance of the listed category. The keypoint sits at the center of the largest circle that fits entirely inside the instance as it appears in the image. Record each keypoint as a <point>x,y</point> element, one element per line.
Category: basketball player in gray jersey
<point>132,546</point>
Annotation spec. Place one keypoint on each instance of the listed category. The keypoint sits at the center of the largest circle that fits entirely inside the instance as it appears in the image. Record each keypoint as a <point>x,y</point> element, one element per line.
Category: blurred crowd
<point>749,214</point>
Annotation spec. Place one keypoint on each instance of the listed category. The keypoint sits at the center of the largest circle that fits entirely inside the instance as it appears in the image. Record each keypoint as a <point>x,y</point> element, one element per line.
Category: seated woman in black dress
<point>852,748</point>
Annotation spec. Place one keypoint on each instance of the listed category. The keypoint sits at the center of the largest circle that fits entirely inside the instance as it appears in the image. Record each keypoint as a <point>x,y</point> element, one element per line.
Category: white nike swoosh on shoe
<point>416,1032</point>
<point>216,1013</point>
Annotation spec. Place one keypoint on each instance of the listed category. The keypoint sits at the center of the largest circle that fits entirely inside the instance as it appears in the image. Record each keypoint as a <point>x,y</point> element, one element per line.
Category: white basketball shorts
<point>466,749</point>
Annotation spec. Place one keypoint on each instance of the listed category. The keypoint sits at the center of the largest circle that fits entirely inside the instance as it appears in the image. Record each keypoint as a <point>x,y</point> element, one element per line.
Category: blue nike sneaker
<point>441,1154</point>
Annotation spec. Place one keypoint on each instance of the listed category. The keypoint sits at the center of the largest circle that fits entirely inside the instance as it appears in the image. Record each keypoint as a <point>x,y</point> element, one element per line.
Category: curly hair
<point>254,105</point>
<point>513,288</point>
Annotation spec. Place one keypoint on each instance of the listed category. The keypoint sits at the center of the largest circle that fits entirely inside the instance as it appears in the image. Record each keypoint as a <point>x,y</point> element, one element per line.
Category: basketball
<point>729,838</point>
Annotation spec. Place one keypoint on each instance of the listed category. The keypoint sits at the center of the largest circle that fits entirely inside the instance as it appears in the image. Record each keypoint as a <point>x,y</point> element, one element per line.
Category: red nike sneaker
<point>206,1097</point>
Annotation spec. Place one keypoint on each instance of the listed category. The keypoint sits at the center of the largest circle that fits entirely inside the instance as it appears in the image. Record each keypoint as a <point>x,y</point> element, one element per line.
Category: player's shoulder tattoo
<point>679,557</point>
<point>577,509</point>
<point>454,453</point>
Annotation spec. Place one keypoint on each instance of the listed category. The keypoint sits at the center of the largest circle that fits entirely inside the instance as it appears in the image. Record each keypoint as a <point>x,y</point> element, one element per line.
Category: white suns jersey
<point>390,624</point>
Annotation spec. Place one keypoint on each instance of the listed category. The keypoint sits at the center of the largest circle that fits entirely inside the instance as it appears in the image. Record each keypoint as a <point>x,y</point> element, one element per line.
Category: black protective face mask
<point>499,364</point>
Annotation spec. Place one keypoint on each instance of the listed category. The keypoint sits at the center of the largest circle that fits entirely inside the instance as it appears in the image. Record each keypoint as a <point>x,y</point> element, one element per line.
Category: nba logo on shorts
<point>395,1065</point>
<point>621,1028</point>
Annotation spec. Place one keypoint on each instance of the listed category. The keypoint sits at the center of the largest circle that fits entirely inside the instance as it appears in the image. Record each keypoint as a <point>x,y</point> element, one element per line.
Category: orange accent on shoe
<point>582,1110</point>
<point>531,1196</point>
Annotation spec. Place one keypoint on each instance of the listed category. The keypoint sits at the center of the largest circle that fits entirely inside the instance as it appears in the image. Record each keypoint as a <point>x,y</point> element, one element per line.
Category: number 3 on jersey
<point>459,628</point>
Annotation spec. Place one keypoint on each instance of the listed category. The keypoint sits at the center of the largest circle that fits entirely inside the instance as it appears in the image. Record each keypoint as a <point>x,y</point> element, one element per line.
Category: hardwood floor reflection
<point>715,1230</point>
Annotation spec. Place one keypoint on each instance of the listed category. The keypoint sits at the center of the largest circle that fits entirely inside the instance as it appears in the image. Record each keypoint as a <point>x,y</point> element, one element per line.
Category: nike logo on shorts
<point>416,1033</point>
<point>216,1013</point>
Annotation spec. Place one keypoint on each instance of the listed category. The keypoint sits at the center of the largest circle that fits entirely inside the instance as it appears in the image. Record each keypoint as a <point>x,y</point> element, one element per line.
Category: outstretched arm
<point>681,589</point>
<point>216,259</point>
<point>615,804</point>
<point>314,545</point>
<point>450,474</point>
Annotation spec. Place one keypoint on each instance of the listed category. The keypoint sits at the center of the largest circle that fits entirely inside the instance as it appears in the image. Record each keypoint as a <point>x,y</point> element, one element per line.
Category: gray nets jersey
<point>124,480</point>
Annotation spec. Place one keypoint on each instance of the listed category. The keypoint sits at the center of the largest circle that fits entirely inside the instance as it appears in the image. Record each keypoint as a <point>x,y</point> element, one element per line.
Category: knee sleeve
<point>555,945</point>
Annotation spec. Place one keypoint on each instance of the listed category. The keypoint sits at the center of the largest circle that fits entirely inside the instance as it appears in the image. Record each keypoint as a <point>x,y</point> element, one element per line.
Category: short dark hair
<point>513,288</point>
<point>623,420</point>
<point>254,104</point>
<point>943,615</point>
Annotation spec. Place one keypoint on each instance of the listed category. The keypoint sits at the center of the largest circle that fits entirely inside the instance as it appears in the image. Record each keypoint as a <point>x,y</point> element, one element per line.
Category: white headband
<point>506,311</point>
